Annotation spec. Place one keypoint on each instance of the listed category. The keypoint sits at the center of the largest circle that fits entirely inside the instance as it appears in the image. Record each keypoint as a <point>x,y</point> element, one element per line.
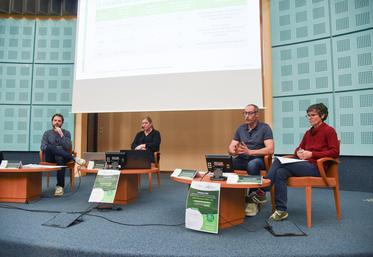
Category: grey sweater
<point>53,138</point>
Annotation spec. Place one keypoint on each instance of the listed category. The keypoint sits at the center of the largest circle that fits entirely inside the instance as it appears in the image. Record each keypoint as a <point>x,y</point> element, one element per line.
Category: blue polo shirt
<point>254,139</point>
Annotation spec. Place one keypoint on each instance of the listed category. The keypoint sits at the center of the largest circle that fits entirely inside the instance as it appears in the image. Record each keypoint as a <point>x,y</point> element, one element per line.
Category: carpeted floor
<point>151,227</point>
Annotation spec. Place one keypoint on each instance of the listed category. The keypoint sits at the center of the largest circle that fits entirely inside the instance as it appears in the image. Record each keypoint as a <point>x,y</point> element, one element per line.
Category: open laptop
<point>137,159</point>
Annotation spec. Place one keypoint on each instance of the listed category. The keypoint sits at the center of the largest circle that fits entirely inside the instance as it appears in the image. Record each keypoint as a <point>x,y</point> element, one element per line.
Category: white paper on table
<point>232,178</point>
<point>285,160</point>
<point>41,166</point>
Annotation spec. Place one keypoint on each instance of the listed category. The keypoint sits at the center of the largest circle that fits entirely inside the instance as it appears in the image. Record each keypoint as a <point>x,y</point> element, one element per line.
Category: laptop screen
<point>137,159</point>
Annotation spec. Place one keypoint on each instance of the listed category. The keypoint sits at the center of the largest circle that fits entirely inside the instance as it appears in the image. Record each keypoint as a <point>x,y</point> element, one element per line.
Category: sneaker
<point>80,161</point>
<point>279,215</point>
<point>251,209</point>
<point>259,196</point>
<point>58,191</point>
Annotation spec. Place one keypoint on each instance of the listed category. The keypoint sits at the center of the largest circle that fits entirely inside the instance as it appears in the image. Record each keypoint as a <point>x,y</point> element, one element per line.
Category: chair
<point>328,168</point>
<point>70,165</point>
<point>157,157</point>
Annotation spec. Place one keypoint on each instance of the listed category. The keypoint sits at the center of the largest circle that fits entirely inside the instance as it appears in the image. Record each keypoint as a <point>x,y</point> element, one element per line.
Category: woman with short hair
<point>318,142</point>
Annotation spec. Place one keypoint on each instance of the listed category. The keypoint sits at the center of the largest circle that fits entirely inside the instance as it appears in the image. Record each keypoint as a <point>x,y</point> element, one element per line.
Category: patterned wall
<point>36,76</point>
<point>322,52</point>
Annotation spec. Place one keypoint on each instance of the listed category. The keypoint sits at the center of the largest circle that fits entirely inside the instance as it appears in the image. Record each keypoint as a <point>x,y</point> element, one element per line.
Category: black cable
<point>89,209</point>
<point>23,209</point>
<point>87,213</point>
<point>134,225</point>
<point>204,175</point>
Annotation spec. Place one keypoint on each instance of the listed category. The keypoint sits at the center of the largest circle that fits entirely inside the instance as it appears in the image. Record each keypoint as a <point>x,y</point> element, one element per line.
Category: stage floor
<point>153,226</point>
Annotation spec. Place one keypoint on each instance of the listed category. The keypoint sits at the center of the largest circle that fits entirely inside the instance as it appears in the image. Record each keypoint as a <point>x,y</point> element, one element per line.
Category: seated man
<point>250,143</point>
<point>56,146</point>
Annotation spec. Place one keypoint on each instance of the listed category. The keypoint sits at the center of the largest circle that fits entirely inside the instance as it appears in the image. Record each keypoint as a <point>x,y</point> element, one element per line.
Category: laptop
<point>137,159</point>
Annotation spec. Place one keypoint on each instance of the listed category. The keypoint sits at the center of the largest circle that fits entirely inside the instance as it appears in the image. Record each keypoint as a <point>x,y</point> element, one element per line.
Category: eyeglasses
<point>309,115</point>
<point>248,113</point>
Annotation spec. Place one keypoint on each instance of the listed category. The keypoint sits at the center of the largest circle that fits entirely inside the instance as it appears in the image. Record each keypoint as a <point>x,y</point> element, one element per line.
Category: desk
<point>128,187</point>
<point>232,199</point>
<point>21,185</point>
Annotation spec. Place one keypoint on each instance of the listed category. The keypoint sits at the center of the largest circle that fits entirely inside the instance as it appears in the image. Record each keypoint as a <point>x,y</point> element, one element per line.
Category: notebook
<point>137,159</point>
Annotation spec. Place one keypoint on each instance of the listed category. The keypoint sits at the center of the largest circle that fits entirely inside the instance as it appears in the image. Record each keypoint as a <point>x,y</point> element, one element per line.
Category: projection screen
<point>167,55</point>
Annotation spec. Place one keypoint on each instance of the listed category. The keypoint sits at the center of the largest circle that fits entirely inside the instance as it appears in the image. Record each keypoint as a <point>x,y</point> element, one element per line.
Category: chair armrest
<point>157,156</point>
<point>267,161</point>
<point>320,166</point>
<point>41,156</point>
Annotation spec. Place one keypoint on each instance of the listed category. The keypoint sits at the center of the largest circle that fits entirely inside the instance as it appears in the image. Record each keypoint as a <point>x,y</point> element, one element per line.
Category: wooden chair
<point>157,157</point>
<point>70,165</point>
<point>328,168</point>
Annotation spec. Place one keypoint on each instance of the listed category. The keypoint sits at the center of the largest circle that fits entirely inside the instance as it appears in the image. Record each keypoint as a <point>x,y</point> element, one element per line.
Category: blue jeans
<point>252,164</point>
<point>59,156</point>
<point>279,173</point>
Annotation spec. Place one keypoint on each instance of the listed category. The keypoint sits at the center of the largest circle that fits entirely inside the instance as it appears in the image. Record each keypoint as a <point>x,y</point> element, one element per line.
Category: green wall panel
<point>354,121</point>
<point>298,20</point>
<point>352,58</point>
<point>41,121</point>
<point>290,121</point>
<point>302,68</point>
<point>52,84</point>
<point>36,74</point>
<point>16,40</point>
<point>55,41</point>
<point>351,15</point>
<point>15,83</point>
<point>14,127</point>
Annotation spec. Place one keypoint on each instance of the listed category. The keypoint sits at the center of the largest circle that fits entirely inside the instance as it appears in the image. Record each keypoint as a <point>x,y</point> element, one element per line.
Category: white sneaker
<point>80,161</point>
<point>58,191</point>
<point>251,209</point>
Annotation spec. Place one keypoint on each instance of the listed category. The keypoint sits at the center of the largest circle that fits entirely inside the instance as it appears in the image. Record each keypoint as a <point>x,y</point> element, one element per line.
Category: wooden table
<point>128,186</point>
<point>21,185</point>
<point>232,199</point>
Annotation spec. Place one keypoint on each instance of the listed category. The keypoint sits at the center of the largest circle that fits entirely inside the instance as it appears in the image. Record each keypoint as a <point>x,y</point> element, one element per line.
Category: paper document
<point>183,173</point>
<point>232,178</point>
<point>41,166</point>
<point>285,160</point>
<point>244,179</point>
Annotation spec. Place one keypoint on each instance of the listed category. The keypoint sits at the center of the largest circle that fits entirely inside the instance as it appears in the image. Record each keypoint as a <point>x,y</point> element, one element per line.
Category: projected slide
<point>183,42</point>
<point>152,37</point>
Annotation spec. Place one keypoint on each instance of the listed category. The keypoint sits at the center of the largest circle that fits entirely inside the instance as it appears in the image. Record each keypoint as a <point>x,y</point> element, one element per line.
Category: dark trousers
<point>59,156</point>
<point>279,173</point>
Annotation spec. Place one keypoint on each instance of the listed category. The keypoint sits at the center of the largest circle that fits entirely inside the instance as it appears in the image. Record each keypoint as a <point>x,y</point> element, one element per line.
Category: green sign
<point>105,186</point>
<point>202,210</point>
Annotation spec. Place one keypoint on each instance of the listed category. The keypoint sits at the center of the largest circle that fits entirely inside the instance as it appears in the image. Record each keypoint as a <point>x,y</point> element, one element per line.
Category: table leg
<point>127,190</point>
<point>232,207</point>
